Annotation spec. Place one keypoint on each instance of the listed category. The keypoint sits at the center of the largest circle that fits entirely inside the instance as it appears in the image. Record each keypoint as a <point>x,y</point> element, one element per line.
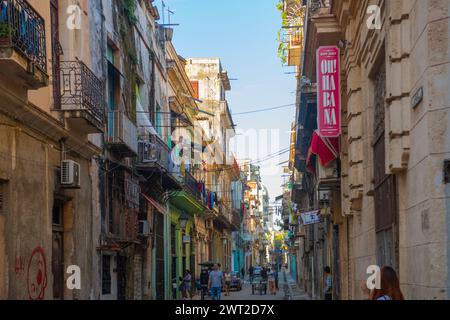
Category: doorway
<point>385,188</point>
<point>58,249</point>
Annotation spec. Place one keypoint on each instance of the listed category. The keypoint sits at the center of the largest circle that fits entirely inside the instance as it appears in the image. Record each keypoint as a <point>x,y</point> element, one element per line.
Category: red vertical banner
<point>328,92</point>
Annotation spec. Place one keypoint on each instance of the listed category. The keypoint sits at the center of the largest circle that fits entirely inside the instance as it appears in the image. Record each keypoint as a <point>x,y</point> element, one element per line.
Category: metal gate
<point>121,277</point>
<point>159,255</point>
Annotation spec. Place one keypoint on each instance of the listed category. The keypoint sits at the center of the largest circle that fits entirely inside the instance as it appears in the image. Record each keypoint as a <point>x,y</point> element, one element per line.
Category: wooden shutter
<point>196,90</point>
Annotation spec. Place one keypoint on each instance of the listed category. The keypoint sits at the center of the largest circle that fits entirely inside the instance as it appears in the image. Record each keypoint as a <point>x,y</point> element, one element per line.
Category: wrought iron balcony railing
<point>153,152</point>
<point>316,6</point>
<point>23,29</point>
<point>190,183</point>
<point>80,89</point>
<point>122,134</point>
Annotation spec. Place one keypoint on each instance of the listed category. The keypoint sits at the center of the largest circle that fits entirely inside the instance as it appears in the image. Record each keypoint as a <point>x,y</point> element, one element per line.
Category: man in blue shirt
<point>327,286</point>
<point>216,282</point>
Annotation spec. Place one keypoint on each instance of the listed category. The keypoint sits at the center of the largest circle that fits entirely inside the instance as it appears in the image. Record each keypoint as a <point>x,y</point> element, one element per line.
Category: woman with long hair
<point>389,286</point>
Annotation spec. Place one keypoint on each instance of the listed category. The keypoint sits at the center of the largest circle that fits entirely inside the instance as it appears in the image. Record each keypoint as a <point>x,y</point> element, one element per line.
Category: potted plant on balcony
<point>5,34</point>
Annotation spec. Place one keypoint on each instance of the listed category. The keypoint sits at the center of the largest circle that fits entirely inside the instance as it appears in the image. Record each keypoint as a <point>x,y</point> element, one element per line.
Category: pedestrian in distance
<point>216,282</point>
<point>275,274</point>
<point>264,279</point>
<point>250,272</point>
<point>182,288</point>
<point>327,284</point>
<point>271,282</point>
<point>204,279</point>
<point>227,282</point>
<point>243,273</point>
<point>187,285</point>
<point>389,286</point>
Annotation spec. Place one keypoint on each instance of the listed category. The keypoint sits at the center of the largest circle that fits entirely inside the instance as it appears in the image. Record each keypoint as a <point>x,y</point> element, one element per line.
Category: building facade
<point>101,155</point>
<point>394,105</point>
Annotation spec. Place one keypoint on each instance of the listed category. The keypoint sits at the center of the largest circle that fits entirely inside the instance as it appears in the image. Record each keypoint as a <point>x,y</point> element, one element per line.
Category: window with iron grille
<point>106,274</point>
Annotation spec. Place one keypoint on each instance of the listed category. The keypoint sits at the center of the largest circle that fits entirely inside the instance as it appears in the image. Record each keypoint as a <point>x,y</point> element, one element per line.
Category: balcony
<point>81,97</point>
<point>190,184</point>
<point>225,111</point>
<point>189,197</point>
<point>122,134</point>
<point>22,44</point>
<point>329,177</point>
<point>153,153</point>
<point>236,219</point>
<point>317,7</point>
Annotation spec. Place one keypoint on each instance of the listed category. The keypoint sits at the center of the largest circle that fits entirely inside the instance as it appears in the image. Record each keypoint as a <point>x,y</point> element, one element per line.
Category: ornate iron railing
<point>316,5</point>
<point>190,183</point>
<point>122,133</point>
<point>23,29</point>
<point>80,89</point>
<point>153,150</point>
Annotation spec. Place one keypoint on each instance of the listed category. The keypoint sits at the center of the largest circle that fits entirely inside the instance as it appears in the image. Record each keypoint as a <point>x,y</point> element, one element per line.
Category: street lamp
<point>224,239</point>
<point>183,220</point>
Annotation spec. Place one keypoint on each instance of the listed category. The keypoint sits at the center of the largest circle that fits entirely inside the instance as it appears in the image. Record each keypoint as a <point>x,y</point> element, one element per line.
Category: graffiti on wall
<point>19,267</point>
<point>37,274</point>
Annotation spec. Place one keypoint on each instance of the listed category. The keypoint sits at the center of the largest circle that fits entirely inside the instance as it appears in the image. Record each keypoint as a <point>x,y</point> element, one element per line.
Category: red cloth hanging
<point>326,149</point>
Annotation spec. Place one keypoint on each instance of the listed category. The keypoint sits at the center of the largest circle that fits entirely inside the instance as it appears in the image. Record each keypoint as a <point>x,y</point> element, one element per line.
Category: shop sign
<point>328,92</point>
<point>311,217</point>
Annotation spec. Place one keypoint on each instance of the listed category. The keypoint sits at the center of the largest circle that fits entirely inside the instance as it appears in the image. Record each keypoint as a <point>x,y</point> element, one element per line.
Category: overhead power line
<point>264,110</point>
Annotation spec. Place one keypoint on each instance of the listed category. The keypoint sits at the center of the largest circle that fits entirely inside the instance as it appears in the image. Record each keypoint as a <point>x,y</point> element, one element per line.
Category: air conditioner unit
<point>70,174</point>
<point>148,152</point>
<point>144,228</point>
<point>329,172</point>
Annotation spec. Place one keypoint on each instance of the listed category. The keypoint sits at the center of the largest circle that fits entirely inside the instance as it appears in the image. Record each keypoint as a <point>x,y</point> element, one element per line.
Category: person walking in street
<point>250,272</point>
<point>227,282</point>
<point>216,282</point>
<point>264,278</point>
<point>275,275</point>
<point>187,285</point>
<point>327,284</point>
<point>182,289</point>
<point>271,282</point>
<point>389,286</point>
<point>243,273</point>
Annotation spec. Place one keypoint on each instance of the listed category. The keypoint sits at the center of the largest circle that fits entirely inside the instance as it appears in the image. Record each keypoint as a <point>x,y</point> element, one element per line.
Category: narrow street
<point>149,148</point>
<point>288,290</point>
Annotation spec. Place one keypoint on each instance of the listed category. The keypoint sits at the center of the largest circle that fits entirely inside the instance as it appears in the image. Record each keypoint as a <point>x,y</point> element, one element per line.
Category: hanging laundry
<point>183,168</point>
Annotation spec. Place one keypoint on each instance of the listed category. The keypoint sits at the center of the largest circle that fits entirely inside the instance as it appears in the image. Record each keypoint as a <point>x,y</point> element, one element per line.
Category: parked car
<point>236,282</point>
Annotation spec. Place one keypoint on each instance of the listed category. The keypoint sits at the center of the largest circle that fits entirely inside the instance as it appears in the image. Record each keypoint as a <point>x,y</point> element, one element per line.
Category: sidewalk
<point>292,290</point>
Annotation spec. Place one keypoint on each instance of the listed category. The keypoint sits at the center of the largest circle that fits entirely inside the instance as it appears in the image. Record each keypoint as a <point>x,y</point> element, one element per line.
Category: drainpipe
<point>167,255</point>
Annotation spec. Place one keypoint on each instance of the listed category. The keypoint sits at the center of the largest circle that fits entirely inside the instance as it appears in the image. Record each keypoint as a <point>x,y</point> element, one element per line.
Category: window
<point>196,89</point>
<point>158,121</point>
<point>106,274</point>
<point>3,196</point>
<point>57,213</point>
<point>113,89</point>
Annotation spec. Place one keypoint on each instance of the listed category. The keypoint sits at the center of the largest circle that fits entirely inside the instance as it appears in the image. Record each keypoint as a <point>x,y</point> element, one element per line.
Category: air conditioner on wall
<point>70,174</point>
<point>330,172</point>
<point>144,228</point>
<point>148,152</point>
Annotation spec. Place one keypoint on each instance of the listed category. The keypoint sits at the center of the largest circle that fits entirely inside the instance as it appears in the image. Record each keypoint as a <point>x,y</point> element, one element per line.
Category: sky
<point>243,33</point>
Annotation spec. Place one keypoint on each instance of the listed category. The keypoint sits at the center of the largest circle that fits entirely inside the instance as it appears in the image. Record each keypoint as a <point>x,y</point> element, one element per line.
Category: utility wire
<point>263,110</point>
